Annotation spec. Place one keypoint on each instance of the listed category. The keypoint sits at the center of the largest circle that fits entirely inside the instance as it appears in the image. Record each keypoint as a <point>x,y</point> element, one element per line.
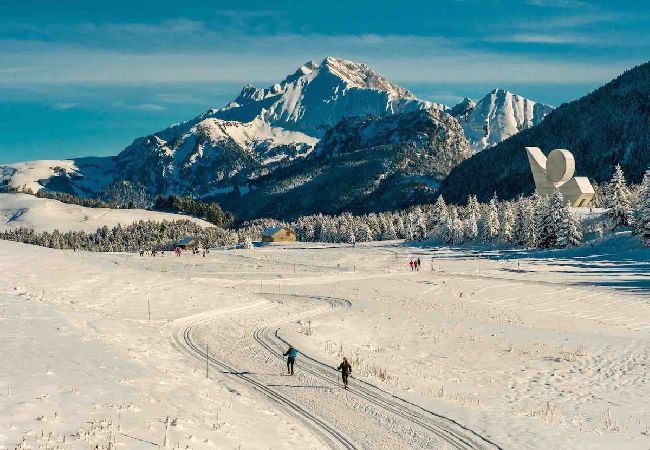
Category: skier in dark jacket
<point>291,358</point>
<point>346,370</point>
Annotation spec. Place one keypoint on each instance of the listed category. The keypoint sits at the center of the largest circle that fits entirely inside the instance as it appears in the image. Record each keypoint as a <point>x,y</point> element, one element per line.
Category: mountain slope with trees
<point>606,127</point>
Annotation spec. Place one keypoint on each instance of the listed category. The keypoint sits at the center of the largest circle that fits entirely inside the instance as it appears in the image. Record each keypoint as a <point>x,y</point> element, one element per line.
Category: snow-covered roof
<point>270,231</point>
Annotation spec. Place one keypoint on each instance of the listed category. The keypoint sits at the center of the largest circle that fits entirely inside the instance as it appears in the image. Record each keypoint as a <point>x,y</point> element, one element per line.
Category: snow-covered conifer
<point>574,233</point>
<point>518,234</point>
<point>399,226</point>
<point>507,222</point>
<point>554,224</point>
<point>491,222</point>
<point>539,205</point>
<point>471,224</point>
<point>389,233</point>
<point>471,227</point>
<point>453,228</point>
<point>642,222</point>
<point>440,211</point>
<point>619,212</point>
<point>373,224</point>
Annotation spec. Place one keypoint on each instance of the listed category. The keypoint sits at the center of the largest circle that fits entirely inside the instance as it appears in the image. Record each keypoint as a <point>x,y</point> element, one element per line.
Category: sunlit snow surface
<point>540,349</point>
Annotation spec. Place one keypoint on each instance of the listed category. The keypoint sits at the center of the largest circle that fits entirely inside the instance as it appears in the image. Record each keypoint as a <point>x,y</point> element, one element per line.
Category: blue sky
<point>86,77</point>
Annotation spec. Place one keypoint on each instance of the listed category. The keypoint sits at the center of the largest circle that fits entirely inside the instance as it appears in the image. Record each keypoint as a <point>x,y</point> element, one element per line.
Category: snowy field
<point>493,350</point>
<point>44,214</point>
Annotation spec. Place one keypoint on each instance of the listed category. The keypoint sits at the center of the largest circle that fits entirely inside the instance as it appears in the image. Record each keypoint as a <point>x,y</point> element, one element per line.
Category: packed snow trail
<point>372,418</point>
<point>182,340</point>
<point>447,429</point>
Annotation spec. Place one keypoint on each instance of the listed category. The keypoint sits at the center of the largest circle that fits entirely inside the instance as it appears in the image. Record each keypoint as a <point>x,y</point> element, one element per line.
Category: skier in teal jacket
<point>291,358</point>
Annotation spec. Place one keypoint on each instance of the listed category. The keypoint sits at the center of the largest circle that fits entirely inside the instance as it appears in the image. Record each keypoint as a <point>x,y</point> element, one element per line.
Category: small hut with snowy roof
<point>188,243</point>
<point>279,234</point>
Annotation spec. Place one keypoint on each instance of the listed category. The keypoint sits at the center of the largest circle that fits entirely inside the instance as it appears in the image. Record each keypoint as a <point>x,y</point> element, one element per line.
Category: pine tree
<point>642,222</point>
<point>574,234</point>
<point>440,211</point>
<point>491,222</point>
<point>473,206</point>
<point>399,226</point>
<point>518,234</point>
<point>539,212</point>
<point>373,224</point>
<point>554,224</point>
<point>619,212</point>
<point>507,222</point>
<point>389,233</point>
<point>420,225</point>
<point>365,234</point>
<point>471,225</point>
<point>453,228</point>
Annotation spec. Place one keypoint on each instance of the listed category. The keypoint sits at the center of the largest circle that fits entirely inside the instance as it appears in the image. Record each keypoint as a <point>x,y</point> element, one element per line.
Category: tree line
<point>125,196</point>
<point>527,222</point>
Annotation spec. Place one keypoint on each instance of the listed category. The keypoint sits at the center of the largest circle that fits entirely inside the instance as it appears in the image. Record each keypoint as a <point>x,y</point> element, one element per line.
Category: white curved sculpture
<point>556,172</point>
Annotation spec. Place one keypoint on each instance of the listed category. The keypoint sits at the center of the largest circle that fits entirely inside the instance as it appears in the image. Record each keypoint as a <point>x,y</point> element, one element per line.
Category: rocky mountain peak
<point>497,116</point>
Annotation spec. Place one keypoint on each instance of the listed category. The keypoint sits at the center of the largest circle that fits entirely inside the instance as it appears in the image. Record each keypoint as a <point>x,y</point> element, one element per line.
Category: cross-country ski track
<point>411,425</point>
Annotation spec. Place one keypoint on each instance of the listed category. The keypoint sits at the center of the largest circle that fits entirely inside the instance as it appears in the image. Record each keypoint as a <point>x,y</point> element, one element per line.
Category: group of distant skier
<point>345,367</point>
<point>415,264</point>
<point>177,251</point>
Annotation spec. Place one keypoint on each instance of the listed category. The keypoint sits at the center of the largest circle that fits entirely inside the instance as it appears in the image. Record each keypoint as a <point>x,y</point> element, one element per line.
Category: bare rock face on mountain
<point>438,135</point>
<point>497,116</point>
<point>362,164</point>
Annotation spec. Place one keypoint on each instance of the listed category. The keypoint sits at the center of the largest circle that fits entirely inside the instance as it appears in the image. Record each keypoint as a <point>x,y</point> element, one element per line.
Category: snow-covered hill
<point>496,117</point>
<point>42,214</point>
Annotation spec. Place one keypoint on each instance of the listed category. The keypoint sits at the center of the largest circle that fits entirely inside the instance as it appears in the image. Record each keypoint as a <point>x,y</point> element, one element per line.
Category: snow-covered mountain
<point>318,96</point>
<point>261,130</point>
<point>212,154</point>
<point>235,149</point>
<point>497,116</point>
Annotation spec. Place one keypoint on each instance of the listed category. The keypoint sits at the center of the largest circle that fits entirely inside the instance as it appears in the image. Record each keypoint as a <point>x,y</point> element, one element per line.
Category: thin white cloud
<point>559,3</point>
<point>65,106</point>
<point>271,57</point>
<point>153,107</point>
<point>14,70</point>
<point>572,21</point>
<point>261,13</point>
<point>540,38</point>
